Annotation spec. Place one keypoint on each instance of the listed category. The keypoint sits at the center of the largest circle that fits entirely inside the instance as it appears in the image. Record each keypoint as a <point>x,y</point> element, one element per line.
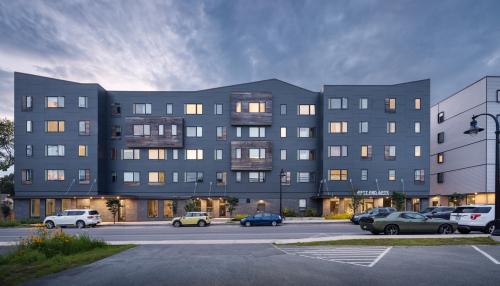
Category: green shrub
<point>239,217</point>
<point>21,222</point>
<point>338,216</point>
<point>309,212</point>
<point>289,212</point>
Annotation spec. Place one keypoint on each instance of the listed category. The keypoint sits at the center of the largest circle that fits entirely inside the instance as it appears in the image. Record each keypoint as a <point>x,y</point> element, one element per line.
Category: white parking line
<point>486,255</point>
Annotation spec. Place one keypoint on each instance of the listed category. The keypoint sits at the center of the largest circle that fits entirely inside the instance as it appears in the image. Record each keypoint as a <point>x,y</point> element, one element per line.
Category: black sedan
<point>376,212</point>
<point>262,219</point>
<point>438,212</point>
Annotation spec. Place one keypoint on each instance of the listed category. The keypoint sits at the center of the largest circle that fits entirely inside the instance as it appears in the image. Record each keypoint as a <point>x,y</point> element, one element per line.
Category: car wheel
<point>490,228</point>
<point>445,229</point>
<point>49,224</point>
<point>391,229</point>
<point>80,224</point>
<point>177,223</point>
<point>247,224</point>
<point>202,223</point>
<point>464,231</point>
<point>274,223</point>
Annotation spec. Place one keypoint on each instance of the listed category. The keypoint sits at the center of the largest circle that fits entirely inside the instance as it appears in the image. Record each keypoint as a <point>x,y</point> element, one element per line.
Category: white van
<point>474,217</point>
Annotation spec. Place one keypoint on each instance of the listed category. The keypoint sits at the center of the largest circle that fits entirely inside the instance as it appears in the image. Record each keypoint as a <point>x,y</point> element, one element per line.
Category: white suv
<point>474,217</point>
<point>79,218</point>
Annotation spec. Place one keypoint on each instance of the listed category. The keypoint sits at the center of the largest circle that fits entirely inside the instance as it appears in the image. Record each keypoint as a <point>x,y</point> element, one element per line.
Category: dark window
<point>440,178</point>
<point>116,109</point>
<point>498,95</point>
<point>116,132</point>
<point>27,176</point>
<point>27,103</point>
<point>221,133</point>
<point>440,137</point>
<point>248,201</point>
<point>441,117</point>
<point>93,213</point>
<point>283,109</point>
<point>113,177</point>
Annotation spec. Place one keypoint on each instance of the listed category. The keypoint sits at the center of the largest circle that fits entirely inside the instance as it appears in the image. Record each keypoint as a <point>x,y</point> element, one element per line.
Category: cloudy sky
<point>186,45</point>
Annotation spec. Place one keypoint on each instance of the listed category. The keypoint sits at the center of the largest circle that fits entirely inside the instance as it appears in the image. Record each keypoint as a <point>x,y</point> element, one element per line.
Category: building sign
<point>372,193</point>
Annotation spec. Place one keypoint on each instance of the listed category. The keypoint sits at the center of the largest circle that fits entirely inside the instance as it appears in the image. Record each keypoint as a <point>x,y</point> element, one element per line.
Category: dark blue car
<point>262,219</point>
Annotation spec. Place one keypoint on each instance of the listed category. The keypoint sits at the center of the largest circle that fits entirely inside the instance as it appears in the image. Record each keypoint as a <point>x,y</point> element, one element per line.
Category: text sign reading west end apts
<point>373,193</point>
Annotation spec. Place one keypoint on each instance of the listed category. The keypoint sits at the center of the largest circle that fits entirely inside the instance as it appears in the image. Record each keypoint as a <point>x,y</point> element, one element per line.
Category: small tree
<point>6,144</point>
<point>7,184</point>
<point>6,209</point>
<point>356,200</point>
<point>398,199</point>
<point>232,203</point>
<point>456,198</point>
<point>190,206</point>
<point>113,207</point>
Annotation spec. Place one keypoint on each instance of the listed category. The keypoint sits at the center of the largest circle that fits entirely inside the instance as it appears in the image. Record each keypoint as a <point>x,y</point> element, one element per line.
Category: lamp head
<point>474,129</point>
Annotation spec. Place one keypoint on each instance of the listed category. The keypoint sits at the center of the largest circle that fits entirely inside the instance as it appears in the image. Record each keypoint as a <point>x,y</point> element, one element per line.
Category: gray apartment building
<point>462,163</point>
<point>79,144</point>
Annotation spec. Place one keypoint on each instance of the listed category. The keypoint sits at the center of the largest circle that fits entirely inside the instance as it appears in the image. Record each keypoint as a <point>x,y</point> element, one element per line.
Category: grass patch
<point>338,216</point>
<point>239,217</point>
<point>22,222</point>
<point>405,242</point>
<point>49,252</point>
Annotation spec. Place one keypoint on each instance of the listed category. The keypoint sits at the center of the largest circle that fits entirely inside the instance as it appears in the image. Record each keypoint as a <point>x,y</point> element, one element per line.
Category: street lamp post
<point>282,174</point>
<point>473,130</point>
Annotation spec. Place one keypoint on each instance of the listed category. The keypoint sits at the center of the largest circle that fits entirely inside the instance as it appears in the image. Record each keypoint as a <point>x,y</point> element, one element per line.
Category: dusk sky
<point>190,45</point>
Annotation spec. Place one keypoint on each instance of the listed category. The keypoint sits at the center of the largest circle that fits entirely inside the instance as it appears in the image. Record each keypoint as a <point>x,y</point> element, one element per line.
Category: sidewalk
<point>227,221</point>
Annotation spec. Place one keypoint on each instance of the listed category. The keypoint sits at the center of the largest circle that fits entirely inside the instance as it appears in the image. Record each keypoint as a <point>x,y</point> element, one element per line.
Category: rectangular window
<point>498,95</point>
<point>338,175</point>
<point>366,152</point>
<point>54,150</point>
<point>337,151</point>
<point>194,131</point>
<point>419,176</point>
<point>50,207</point>
<point>54,101</point>
<point>238,132</point>
<point>218,154</point>
<point>131,177</point>
<point>27,176</point>
<point>156,178</point>
<point>283,154</point>
<point>337,127</point>
<point>305,132</point>
<point>175,154</point>
<point>256,132</point>
<point>156,154</point>
<point>417,127</point>
<point>194,154</point>
<point>84,127</point>
<point>83,102</point>
<point>440,158</point>
<point>283,132</point>
<point>29,150</point>
<point>175,177</point>
<point>131,154</point>
<point>441,117</point>
<point>306,109</point>
<point>54,126</point>
<point>390,152</point>
<point>364,174</point>
<point>390,105</point>
<point>363,103</point>
<point>27,104</point>
<point>161,129</point>
<point>84,176</point>
<point>286,180</point>
<point>116,132</point>
<point>173,130</point>
<point>152,208</point>
<point>35,208</point>
<point>440,178</point>
<point>283,109</point>
<point>116,110</point>
<point>221,133</point>
<point>418,151</point>
<point>193,108</point>
<point>256,177</point>
<point>237,153</point>
<point>238,177</point>
<point>142,130</point>
<point>391,127</point>
<point>256,107</point>
<point>168,208</point>
<point>305,154</point>
<point>191,177</point>
<point>142,108</point>
<point>218,109</point>
<point>363,127</point>
<point>337,103</point>
<point>221,178</point>
<point>392,175</point>
<point>54,175</point>
<point>440,137</point>
<point>238,106</point>
<point>113,177</point>
<point>418,103</point>
<point>29,126</point>
<point>305,177</point>
<point>170,109</point>
<point>256,153</point>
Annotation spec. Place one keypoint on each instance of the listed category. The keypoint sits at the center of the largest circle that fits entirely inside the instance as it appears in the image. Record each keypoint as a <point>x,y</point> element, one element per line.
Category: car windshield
<point>464,210</point>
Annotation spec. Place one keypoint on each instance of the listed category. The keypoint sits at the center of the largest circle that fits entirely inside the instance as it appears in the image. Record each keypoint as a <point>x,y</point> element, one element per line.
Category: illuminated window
<point>418,151</point>
<point>152,208</point>
<point>29,126</point>
<point>283,132</point>
<point>193,108</point>
<point>338,175</point>
<point>82,150</point>
<point>194,154</point>
<point>168,208</point>
<point>417,127</point>
<point>390,105</point>
<point>35,207</point>
<point>54,101</point>
<point>50,207</point>
<point>54,126</point>
<point>54,175</point>
<point>156,154</point>
<point>392,175</point>
<point>256,107</point>
<point>306,109</point>
<point>366,152</point>
<point>157,177</point>
<point>440,158</point>
<point>238,106</point>
<point>338,127</point>
<point>418,103</point>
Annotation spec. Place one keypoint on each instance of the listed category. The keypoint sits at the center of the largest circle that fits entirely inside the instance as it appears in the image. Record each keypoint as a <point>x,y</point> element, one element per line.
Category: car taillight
<point>474,216</point>
<point>90,216</point>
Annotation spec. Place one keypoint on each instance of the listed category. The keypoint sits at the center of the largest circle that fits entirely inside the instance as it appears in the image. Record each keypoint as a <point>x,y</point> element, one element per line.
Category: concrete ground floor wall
<point>340,205</point>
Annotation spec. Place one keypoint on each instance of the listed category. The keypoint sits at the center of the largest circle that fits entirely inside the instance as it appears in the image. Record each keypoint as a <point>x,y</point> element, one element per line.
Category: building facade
<point>463,164</point>
<point>156,151</point>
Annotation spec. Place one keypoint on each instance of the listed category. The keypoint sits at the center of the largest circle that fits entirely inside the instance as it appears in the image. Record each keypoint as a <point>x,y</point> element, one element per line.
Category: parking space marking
<point>360,256</point>
<point>486,255</point>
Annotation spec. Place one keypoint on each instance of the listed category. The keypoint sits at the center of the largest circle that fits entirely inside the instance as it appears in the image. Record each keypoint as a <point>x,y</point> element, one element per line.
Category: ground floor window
<point>210,206</point>
<point>152,208</point>
<point>168,208</point>
<point>35,208</point>
<point>83,203</point>
<point>50,207</point>
<point>65,204</point>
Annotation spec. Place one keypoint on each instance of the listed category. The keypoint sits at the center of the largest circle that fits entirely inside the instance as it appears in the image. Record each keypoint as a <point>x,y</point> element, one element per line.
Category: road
<point>213,232</point>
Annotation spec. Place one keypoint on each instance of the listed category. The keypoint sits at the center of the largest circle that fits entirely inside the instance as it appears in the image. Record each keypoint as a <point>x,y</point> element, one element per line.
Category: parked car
<point>78,217</point>
<point>407,222</point>
<point>474,217</point>
<point>376,212</point>
<point>438,212</point>
<point>262,219</point>
<point>192,218</point>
